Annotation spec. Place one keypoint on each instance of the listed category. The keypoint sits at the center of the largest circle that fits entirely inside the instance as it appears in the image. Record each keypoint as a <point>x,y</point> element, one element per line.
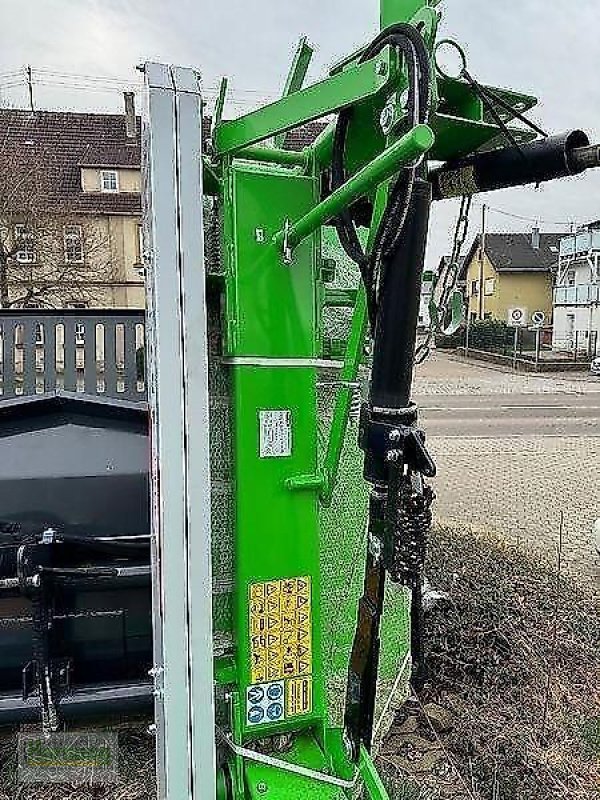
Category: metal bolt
<point>381,68</point>
<point>393,456</point>
<point>262,787</point>
<point>386,119</point>
<point>259,234</point>
<point>395,435</point>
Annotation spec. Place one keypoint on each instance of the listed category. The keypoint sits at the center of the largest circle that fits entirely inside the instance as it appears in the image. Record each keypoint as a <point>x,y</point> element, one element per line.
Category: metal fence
<point>527,347</point>
<point>99,352</point>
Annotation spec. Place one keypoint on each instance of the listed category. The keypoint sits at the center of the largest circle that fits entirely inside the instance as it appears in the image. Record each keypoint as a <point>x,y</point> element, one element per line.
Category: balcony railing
<point>581,295</point>
<point>581,244</point>
<point>97,352</point>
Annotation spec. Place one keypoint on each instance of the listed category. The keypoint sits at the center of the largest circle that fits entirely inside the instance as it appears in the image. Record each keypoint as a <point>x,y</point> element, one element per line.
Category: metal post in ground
<point>538,342</point>
<point>515,347</point>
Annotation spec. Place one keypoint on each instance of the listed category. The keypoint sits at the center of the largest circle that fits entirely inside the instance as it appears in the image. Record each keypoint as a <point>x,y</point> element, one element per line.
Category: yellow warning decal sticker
<point>298,697</point>
<point>280,625</point>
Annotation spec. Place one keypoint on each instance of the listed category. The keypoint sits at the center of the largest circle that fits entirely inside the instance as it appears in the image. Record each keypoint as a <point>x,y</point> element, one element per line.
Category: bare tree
<point>49,256</point>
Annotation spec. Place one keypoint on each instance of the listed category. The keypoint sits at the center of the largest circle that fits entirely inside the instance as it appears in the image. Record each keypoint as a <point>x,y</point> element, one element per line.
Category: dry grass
<point>513,655</point>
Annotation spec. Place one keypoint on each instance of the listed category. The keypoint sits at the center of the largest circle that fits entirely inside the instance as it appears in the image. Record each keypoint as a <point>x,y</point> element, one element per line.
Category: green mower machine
<point>290,502</point>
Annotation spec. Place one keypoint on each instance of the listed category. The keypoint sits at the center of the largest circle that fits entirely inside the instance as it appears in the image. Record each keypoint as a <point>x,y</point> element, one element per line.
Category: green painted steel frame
<point>297,74</point>
<point>273,320</point>
<point>272,316</point>
<point>356,83</point>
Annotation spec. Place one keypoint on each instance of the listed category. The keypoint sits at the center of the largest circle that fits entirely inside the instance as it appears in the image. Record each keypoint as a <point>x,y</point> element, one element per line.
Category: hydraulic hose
<point>410,43</point>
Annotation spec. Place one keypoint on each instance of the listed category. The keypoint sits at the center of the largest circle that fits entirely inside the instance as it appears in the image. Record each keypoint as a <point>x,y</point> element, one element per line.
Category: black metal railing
<point>93,351</point>
<point>523,346</point>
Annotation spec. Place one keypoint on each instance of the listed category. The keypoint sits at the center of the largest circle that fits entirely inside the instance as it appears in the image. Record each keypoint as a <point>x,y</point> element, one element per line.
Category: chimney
<point>535,238</point>
<point>130,122</point>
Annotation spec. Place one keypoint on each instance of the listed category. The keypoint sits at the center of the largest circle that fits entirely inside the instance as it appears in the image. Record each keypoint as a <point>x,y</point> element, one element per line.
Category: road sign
<point>517,316</point>
<point>538,318</point>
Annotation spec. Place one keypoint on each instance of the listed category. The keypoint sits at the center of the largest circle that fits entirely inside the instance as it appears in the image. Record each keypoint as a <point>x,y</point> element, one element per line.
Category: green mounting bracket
<point>392,11</point>
<point>306,482</point>
<point>275,155</point>
<point>457,315</point>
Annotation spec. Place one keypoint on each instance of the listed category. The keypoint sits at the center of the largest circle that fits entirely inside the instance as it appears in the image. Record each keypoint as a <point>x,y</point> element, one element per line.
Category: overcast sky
<point>550,49</point>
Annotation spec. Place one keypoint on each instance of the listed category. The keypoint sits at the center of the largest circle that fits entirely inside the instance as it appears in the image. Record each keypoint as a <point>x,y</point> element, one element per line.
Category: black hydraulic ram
<point>395,462</point>
<point>535,162</point>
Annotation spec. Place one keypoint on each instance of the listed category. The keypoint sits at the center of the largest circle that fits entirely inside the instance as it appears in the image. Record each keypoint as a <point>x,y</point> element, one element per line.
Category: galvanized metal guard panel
<point>178,383</point>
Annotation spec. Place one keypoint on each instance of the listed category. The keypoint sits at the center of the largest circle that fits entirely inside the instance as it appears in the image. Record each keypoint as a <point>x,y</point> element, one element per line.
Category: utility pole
<point>481,261</point>
<point>29,77</point>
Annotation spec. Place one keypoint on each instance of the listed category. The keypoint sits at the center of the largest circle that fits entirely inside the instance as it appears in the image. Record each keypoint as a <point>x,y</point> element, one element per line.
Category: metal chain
<point>450,276</point>
<point>462,228</point>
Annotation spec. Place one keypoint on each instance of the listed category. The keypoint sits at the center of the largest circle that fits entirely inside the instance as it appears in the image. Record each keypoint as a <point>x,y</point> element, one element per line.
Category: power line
<point>43,75</point>
<point>523,218</point>
<point>210,96</point>
<point>81,76</point>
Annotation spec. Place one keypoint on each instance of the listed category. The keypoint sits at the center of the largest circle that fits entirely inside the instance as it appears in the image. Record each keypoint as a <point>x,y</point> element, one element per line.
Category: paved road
<point>515,454</point>
<point>516,415</point>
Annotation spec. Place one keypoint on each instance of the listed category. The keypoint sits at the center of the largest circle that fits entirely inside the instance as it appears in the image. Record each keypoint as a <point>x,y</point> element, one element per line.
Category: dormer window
<point>109,181</point>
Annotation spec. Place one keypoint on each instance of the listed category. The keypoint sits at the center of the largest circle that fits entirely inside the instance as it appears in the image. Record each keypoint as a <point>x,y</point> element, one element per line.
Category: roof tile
<point>57,144</point>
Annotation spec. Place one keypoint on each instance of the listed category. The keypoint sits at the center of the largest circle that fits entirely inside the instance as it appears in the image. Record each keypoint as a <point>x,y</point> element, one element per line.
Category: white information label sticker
<point>275,433</point>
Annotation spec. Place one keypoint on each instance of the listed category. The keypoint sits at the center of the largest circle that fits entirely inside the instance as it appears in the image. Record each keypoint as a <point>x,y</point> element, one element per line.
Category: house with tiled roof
<point>510,275</point>
<point>70,209</point>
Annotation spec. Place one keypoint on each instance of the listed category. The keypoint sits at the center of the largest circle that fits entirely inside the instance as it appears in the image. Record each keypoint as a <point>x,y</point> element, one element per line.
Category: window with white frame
<point>109,180</point>
<point>490,286</point>
<point>474,288</point>
<point>25,244</point>
<point>73,241</point>
<point>571,277</point>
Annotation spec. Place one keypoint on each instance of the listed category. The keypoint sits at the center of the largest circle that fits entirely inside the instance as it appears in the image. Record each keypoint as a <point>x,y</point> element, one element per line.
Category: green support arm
<point>353,85</point>
<point>297,74</point>
<point>409,147</point>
